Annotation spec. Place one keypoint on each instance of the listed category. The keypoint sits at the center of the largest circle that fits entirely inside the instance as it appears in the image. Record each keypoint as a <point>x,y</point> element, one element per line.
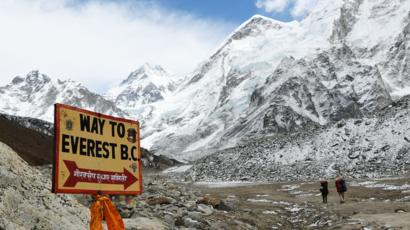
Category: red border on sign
<point>55,188</point>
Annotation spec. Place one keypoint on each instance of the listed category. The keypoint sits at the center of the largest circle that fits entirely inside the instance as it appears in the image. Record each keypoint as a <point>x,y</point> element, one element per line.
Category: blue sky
<point>99,42</point>
<point>235,11</point>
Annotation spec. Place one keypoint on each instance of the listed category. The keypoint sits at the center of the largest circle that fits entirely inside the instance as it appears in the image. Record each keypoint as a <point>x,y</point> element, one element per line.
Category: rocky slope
<point>26,201</point>
<point>346,59</point>
<point>35,94</point>
<point>369,147</point>
<point>30,138</point>
<point>35,124</point>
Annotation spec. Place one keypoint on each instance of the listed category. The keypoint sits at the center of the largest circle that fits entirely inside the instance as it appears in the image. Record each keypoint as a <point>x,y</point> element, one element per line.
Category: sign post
<point>95,154</point>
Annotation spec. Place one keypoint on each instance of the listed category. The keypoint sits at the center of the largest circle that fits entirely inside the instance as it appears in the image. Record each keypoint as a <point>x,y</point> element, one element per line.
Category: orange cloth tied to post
<point>104,208</point>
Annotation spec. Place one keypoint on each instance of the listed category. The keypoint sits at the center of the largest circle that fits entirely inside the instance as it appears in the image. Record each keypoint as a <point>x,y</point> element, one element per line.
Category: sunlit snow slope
<point>346,59</point>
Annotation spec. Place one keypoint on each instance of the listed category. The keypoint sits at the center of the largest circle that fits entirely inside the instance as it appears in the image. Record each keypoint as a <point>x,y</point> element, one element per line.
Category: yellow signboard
<point>95,153</point>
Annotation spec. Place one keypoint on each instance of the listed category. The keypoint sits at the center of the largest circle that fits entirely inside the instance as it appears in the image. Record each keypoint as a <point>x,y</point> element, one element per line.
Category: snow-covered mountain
<point>346,59</point>
<point>148,84</point>
<point>35,94</point>
<point>144,87</point>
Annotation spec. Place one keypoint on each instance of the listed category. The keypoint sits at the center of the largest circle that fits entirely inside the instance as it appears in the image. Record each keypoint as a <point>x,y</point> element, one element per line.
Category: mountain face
<point>35,95</point>
<point>371,147</point>
<point>146,85</point>
<point>346,59</point>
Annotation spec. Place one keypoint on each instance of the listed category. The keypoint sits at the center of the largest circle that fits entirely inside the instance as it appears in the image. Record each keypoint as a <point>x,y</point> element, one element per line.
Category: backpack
<point>344,186</point>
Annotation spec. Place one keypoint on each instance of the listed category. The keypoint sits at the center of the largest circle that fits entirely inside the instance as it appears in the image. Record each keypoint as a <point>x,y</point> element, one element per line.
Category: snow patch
<point>177,169</point>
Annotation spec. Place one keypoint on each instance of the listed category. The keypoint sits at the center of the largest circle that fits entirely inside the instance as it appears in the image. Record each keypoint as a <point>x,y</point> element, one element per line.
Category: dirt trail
<point>381,204</point>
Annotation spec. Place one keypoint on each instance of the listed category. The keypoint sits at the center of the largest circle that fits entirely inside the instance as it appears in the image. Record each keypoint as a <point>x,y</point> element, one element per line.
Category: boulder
<point>158,200</point>
<point>143,223</point>
<point>206,209</point>
<point>214,201</point>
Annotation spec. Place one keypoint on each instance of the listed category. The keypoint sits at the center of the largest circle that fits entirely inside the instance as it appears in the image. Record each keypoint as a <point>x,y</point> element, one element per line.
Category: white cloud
<point>100,42</point>
<point>271,6</point>
<point>297,8</point>
<point>303,7</point>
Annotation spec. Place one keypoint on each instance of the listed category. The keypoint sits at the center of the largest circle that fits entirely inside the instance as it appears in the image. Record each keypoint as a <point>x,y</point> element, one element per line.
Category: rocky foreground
<point>290,205</point>
<point>168,203</point>
<point>26,201</point>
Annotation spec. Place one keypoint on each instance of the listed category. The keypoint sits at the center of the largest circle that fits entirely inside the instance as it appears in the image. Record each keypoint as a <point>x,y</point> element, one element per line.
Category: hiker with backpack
<point>341,188</point>
<point>324,190</point>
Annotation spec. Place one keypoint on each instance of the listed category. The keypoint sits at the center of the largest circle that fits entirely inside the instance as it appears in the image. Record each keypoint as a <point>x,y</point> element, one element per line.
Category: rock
<point>399,210</point>
<point>158,200</point>
<point>385,148</point>
<point>179,221</point>
<point>357,122</point>
<point>214,201</point>
<point>26,201</point>
<point>195,215</point>
<point>347,132</point>
<point>170,220</point>
<point>230,204</point>
<point>220,226</point>
<point>340,124</point>
<point>143,223</point>
<point>206,209</point>
<point>190,205</point>
<point>175,193</point>
<point>353,154</point>
<point>188,222</point>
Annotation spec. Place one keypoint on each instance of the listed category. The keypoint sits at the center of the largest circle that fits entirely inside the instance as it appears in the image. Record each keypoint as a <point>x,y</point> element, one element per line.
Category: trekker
<point>341,188</point>
<point>324,190</point>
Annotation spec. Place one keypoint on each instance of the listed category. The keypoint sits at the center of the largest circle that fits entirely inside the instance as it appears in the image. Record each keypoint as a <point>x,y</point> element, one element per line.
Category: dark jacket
<point>324,188</point>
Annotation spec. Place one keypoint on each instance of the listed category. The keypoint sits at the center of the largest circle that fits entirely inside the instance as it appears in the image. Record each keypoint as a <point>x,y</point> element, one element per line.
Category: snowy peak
<point>147,84</point>
<point>33,77</point>
<point>33,80</point>
<point>257,24</point>
<point>35,95</point>
<point>271,77</point>
<point>147,71</point>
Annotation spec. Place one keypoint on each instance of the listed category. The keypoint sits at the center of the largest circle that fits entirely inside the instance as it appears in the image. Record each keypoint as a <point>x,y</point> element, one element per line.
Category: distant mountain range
<point>346,59</point>
<point>146,85</point>
<point>35,94</point>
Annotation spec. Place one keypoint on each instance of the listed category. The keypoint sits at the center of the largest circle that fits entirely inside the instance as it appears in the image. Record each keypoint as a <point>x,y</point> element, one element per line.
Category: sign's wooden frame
<point>55,188</point>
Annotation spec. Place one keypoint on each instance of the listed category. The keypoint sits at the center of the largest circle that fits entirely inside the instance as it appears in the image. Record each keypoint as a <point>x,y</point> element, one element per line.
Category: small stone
<point>195,215</point>
<point>211,200</point>
<point>188,222</point>
<point>399,210</point>
<point>207,210</point>
<point>169,220</point>
<point>356,122</point>
<point>158,200</point>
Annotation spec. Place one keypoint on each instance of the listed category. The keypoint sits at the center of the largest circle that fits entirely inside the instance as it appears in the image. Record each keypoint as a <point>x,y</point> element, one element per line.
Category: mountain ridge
<point>272,77</point>
<point>245,75</point>
<point>36,94</point>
